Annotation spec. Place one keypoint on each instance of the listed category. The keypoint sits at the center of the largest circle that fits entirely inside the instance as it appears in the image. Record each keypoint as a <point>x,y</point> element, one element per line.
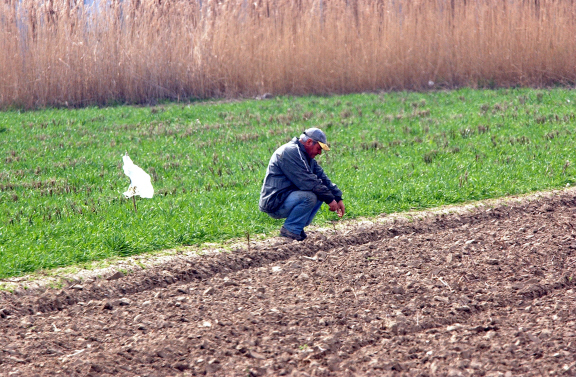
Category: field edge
<point>117,267</point>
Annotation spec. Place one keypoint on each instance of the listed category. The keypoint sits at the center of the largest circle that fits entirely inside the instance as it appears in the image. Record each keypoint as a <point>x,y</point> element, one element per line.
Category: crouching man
<point>295,185</point>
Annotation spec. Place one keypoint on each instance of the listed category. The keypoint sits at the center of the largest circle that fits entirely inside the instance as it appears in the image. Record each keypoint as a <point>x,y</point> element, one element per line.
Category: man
<point>295,185</point>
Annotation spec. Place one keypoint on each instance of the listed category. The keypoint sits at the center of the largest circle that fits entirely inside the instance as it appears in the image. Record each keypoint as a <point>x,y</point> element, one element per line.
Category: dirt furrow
<point>488,292</point>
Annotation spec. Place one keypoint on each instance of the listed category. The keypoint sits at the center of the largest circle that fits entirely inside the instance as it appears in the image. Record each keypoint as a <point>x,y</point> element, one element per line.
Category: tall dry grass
<point>61,52</point>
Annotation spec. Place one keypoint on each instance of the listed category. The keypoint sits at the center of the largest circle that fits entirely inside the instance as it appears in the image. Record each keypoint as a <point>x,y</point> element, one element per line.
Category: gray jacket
<point>291,169</point>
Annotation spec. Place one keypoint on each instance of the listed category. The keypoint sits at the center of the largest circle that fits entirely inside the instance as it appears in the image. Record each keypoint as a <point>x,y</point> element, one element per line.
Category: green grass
<point>61,179</point>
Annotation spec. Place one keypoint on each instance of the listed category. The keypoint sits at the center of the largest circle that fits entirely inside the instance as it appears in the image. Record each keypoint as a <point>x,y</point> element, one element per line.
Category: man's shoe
<point>288,234</point>
<point>303,235</point>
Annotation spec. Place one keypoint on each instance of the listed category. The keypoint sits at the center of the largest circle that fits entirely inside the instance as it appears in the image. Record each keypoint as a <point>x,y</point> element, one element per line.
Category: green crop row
<point>61,178</point>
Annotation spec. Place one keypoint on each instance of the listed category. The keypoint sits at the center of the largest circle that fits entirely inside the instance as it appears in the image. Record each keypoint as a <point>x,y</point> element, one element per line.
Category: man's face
<point>312,148</point>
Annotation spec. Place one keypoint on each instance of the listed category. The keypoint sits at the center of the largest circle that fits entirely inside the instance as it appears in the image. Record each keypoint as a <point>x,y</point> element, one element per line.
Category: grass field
<point>61,179</point>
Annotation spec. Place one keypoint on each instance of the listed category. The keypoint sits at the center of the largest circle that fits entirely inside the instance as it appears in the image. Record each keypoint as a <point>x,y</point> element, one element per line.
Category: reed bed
<point>66,53</point>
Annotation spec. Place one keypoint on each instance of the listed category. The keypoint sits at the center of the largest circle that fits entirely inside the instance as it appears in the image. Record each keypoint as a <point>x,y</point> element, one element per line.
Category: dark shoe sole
<point>288,234</point>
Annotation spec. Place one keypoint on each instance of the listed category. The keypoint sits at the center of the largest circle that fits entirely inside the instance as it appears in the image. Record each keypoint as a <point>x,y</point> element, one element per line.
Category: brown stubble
<point>65,54</point>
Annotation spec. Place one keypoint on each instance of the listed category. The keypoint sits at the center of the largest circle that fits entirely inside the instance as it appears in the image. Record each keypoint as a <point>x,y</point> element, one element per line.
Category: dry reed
<point>65,53</point>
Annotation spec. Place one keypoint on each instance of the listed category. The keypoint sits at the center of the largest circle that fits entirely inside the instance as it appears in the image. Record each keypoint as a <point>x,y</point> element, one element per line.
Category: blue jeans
<point>299,210</point>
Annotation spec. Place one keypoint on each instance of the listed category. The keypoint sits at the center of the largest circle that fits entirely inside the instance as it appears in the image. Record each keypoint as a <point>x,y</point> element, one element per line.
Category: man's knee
<point>308,198</point>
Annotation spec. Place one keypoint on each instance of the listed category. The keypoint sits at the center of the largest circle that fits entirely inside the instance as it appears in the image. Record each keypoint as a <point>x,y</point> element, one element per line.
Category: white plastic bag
<point>140,183</point>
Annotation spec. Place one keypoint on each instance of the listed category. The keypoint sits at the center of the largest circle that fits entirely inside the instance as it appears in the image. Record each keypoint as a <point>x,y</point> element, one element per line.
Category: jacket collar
<point>302,149</point>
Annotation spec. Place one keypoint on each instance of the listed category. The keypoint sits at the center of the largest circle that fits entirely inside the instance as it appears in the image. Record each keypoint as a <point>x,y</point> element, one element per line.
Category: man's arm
<point>319,172</point>
<point>337,205</point>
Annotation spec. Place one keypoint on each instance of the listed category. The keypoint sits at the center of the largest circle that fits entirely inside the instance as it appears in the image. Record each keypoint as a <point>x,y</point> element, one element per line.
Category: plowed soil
<point>489,292</point>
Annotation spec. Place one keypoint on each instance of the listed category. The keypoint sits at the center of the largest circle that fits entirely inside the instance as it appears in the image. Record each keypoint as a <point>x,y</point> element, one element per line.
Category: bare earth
<point>488,292</point>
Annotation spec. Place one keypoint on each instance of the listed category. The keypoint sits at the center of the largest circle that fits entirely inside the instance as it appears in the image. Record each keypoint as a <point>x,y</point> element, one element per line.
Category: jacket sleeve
<point>295,166</point>
<point>336,192</point>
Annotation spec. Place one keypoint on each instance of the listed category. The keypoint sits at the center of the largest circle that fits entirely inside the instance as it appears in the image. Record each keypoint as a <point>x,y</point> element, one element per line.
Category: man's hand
<point>337,207</point>
<point>341,209</point>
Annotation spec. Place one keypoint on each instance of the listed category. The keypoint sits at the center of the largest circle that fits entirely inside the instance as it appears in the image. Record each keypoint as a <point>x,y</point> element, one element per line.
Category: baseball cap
<point>318,135</point>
